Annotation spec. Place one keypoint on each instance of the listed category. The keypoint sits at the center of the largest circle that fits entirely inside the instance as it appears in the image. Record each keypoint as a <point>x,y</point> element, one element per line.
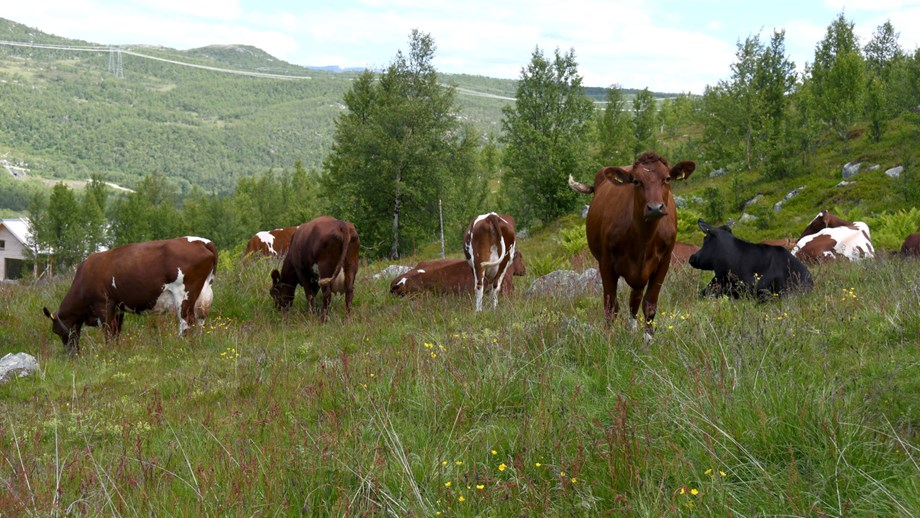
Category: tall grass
<point>419,406</point>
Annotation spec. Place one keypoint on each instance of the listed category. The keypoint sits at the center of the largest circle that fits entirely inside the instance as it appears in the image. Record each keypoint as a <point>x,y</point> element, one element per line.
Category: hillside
<point>65,115</point>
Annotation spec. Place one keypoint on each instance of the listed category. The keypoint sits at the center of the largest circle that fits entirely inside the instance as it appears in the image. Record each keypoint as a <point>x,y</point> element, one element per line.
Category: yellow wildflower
<point>444,463</point>
<point>682,490</point>
<point>721,473</point>
<point>538,464</point>
<point>459,462</point>
<point>447,484</point>
<point>708,471</point>
<point>502,467</point>
<point>694,492</point>
<point>461,498</point>
<point>494,452</point>
<point>480,486</point>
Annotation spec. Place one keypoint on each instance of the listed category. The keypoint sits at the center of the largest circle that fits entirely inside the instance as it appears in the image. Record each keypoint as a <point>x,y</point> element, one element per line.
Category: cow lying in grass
<point>748,269</point>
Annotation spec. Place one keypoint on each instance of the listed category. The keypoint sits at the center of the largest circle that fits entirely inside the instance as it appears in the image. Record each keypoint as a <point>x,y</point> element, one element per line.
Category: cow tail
<point>346,240</point>
<point>213,248</point>
<point>580,187</point>
<point>497,233</point>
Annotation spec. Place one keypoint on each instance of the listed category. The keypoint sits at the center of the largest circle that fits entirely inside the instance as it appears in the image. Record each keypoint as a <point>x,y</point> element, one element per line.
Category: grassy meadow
<point>806,406</point>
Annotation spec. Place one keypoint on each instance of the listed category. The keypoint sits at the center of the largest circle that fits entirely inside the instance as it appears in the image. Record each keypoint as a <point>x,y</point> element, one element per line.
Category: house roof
<point>19,227</point>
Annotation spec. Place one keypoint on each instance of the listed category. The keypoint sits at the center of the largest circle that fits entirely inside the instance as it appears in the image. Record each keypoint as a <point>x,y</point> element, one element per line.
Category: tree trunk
<point>397,202</point>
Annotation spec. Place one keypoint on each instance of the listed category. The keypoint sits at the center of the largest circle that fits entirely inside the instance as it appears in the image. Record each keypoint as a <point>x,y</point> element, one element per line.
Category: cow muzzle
<point>655,210</point>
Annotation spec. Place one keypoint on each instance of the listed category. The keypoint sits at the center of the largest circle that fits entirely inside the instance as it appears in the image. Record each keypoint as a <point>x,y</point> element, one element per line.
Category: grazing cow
<point>323,254</point>
<point>631,229</point>
<point>748,269</point>
<point>681,253</point>
<point>911,245</point>
<point>828,238</point>
<point>489,246</point>
<point>270,242</point>
<point>168,275</point>
<point>449,276</point>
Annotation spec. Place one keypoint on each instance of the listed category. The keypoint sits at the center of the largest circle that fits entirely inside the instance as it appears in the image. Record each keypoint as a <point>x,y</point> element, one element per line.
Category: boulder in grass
<point>568,283</point>
<point>392,271</point>
<point>17,365</point>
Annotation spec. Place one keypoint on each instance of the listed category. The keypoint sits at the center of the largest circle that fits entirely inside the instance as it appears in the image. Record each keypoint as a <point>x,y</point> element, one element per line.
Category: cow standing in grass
<point>172,275</point>
<point>631,228</point>
<point>489,246</point>
<point>324,254</point>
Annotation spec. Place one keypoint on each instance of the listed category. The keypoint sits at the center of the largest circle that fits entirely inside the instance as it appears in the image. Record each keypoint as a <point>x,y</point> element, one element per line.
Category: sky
<point>676,46</point>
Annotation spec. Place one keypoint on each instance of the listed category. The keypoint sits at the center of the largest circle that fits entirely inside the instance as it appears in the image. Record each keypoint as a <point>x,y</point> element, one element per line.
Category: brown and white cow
<point>489,245</point>
<point>324,254</point>
<point>631,229</point>
<point>911,245</point>
<point>828,238</point>
<point>172,275</point>
<point>449,276</point>
<point>270,242</point>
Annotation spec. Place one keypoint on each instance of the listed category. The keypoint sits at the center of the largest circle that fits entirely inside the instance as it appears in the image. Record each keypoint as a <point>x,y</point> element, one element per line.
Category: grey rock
<point>747,218</point>
<point>17,365</point>
<point>752,201</point>
<point>844,183</point>
<point>894,172</point>
<point>567,283</point>
<point>584,211</point>
<point>874,167</point>
<point>792,194</point>
<point>851,169</point>
<point>718,172</point>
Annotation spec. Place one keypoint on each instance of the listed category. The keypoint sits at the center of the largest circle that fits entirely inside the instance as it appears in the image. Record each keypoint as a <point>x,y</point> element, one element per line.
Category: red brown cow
<point>828,238</point>
<point>631,229</point>
<point>911,245</point>
<point>681,253</point>
<point>489,246</point>
<point>271,242</point>
<point>169,275</point>
<point>788,243</point>
<point>449,276</point>
<point>323,254</point>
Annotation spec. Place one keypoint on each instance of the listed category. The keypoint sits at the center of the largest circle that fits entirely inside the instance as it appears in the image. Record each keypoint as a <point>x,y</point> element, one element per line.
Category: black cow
<point>748,269</point>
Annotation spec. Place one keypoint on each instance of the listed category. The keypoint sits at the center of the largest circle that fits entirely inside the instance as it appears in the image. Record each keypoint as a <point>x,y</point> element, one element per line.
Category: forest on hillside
<point>388,149</point>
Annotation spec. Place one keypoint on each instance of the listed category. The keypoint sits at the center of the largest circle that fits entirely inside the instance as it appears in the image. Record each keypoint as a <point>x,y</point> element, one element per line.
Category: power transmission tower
<point>116,67</point>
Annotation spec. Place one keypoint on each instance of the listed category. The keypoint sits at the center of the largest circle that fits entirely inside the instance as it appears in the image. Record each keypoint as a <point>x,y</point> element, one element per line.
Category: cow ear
<point>683,170</point>
<point>48,313</point>
<point>276,277</point>
<point>705,227</point>
<point>618,175</point>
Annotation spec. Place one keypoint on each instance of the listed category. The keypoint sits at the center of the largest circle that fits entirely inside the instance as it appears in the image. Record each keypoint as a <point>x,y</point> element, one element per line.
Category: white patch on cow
<point>501,277</point>
<point>852,244</point>
<point>316,269</point>
<point>203,304</point>
<point>401,281</point>
<point>269,240</point>
<point>421,271</point>
<point>172,297</point>
<point>113,282</point>
<point>192,239</point>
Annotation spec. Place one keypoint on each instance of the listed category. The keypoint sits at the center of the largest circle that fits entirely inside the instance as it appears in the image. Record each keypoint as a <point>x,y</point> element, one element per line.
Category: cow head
<point>714,245</point>
<point>823,220</point>
<point>69,333</point>
<point>651,178</point>
<point>282,293</point>
<point>517,264</point>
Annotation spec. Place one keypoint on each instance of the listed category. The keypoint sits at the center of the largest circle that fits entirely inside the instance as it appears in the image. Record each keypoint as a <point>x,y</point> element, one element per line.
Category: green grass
<point>802,406</point>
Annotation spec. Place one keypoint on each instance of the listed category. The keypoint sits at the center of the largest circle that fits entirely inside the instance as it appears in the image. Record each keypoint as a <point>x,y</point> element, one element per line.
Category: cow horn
<point>580,187</point>
<point>48,313</point>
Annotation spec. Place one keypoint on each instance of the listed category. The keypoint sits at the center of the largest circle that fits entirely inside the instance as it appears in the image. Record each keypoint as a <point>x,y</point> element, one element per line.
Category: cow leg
<point>635,299</point>
<point>479,286</point>
<point>652,290</point>
<point>497,285</point>
<point>327,301</point>
<point>609,281</point>
<point>111,326</point>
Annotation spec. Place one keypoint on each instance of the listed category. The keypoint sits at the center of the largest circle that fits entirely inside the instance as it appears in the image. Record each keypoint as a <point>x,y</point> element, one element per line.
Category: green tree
<point>546,136</point>
<point>838,79</point>
<point>61,227</point>
<point>614,130</point>
<point>644,122</point>
<point>883,50</point>
<point>395,152</point>
<point>150,212</point>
